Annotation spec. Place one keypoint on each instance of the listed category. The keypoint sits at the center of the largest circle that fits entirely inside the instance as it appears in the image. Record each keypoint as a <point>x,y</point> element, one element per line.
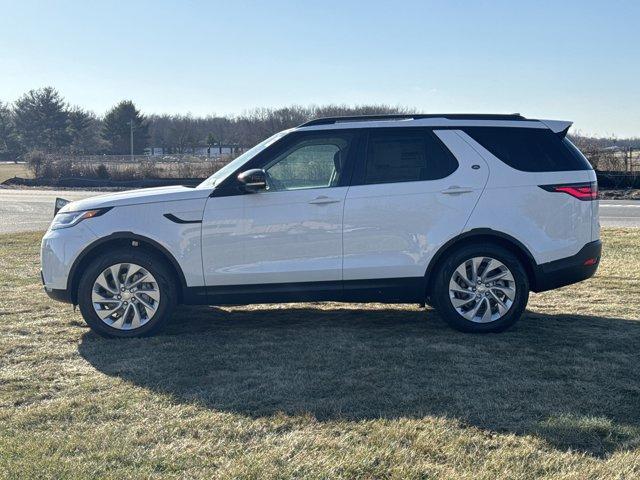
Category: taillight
<point>581,191</point>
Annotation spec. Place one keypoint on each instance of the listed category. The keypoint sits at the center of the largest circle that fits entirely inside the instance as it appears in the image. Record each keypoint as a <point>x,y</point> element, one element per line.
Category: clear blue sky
<point>576,60</point>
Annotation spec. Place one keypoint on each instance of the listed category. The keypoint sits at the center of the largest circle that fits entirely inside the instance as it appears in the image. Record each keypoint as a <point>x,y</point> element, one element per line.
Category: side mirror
<point>60,202</point>
<point>253,180</point>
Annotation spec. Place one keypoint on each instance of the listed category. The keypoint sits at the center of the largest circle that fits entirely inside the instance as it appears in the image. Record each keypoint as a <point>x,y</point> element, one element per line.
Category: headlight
<point>66,220</point>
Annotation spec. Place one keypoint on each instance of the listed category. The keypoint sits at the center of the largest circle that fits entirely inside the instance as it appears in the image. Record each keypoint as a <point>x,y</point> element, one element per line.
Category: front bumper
<point>58,251</point>
<point>54,293</point>
<point>59,295</point>
<point>568,270</point>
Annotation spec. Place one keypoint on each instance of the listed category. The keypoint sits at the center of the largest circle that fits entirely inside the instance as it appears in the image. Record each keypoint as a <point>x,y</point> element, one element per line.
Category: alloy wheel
<point>125,296</point>
<point>482,289</point>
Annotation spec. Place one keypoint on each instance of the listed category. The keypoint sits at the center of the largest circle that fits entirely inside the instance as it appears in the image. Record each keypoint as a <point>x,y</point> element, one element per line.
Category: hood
<point>138,197</point>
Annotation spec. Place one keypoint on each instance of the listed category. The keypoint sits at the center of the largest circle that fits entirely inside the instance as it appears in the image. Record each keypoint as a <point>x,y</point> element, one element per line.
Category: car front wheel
<point>126,293</point>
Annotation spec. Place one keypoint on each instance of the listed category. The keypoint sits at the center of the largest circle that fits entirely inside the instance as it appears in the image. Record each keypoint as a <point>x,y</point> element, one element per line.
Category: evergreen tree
<point>41,120</point>
<point>9,145</point>
<point>116,129</point>
<point>84,129</point>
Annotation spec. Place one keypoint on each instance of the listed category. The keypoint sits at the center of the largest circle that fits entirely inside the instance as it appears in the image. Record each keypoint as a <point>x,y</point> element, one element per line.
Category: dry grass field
<point>10,170</point>
<point>324,390</point>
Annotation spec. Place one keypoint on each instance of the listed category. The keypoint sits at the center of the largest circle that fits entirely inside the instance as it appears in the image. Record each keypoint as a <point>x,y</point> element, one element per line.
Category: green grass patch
<point>324,390</point>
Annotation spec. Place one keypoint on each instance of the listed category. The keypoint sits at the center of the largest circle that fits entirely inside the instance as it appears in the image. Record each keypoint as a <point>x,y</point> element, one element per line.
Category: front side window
<point>403,155</point>
<point>314,162</point>
<point>217,178</point>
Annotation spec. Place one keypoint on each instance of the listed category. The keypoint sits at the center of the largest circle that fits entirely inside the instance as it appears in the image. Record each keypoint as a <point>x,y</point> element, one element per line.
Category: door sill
<point>386,290</point>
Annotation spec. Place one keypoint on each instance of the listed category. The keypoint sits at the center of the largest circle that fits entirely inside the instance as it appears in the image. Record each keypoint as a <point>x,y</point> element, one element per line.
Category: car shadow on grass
<point>571,380</point>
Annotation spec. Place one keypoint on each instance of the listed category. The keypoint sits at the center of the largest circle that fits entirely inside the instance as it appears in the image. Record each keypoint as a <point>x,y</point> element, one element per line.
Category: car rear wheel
<point>481,289</point>
<point>126,293</point>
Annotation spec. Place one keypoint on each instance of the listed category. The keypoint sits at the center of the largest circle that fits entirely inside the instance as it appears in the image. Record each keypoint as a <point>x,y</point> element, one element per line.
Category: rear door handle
<point>456,190</point>
<point>323,200</point>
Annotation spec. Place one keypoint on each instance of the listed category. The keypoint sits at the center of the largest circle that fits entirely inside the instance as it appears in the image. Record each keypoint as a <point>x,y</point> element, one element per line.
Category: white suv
<point>467,213</point>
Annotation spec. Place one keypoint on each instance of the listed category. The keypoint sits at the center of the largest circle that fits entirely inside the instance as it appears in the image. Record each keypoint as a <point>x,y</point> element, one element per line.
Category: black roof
<point>450,116</point>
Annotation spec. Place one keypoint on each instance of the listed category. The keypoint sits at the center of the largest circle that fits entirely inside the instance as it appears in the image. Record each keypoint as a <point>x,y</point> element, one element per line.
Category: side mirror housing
<point>60,202</point>
<point>253,180</point>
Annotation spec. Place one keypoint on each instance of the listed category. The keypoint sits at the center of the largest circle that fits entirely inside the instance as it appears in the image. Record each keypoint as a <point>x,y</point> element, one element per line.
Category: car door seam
<point>483,187</point>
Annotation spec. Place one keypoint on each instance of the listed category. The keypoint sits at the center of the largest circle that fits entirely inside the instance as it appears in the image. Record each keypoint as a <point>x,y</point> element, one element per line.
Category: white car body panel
<point>147,220</point>
<point>393,230</point>
<point>595,221</point>
<point>278,237</point>
<point>59,250</point>
<point>138,197</point>
<point>183,241</point>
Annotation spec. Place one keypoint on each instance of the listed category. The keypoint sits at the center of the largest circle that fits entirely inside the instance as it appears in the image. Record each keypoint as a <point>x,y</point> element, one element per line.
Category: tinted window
<point>577,154</point>
<point>529,149</point>
<point>401,155</point>
<point>313,162</point>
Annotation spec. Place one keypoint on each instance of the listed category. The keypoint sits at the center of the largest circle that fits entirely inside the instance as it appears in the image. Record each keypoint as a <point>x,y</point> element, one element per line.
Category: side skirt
<point>387,290</point>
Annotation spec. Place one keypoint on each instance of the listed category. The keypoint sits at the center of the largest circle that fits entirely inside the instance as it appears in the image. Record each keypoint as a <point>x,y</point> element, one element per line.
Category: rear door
<point>410,194</point>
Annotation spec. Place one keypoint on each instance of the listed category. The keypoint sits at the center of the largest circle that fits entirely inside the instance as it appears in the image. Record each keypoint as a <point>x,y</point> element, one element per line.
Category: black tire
<point>154,264</point>
<point>440,293</point>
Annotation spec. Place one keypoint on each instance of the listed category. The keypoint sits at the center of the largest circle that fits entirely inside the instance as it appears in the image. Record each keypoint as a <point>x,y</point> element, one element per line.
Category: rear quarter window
<point>530,149</point>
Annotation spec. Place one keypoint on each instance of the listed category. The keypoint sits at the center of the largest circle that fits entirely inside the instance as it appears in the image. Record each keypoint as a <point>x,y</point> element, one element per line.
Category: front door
<point>291,232</point>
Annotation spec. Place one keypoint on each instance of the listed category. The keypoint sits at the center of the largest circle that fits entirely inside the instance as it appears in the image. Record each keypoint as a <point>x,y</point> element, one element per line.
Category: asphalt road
<point>620,213</point>
<point>30,209</point>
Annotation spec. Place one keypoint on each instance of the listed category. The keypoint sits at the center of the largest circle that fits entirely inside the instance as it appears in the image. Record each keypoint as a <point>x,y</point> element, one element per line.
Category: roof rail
<point>416,116</point>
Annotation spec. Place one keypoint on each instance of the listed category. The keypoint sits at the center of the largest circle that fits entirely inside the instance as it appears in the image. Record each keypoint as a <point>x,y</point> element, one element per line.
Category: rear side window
<point>403,155</point>
<point>577,154</point>
<point>530,149</point>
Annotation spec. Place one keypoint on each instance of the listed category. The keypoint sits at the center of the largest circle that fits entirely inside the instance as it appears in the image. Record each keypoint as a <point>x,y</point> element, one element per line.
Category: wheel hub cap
<point>482,289</point>
<point>125,296</point>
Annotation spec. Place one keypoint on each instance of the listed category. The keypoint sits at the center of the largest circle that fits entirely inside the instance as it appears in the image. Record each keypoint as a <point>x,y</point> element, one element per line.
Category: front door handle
<point>323,200</point>
<point>456,190</point>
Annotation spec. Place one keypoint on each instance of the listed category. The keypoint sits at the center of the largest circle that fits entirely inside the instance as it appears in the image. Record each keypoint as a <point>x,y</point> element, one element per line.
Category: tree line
<point>41,120</point>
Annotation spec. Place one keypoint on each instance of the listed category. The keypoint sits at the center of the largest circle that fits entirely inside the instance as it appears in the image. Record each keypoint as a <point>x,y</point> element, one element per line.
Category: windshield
<point>230,167</point>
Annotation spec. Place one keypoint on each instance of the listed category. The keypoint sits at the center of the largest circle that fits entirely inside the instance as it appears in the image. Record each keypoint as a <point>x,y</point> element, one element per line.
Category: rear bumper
<point>568,270</point>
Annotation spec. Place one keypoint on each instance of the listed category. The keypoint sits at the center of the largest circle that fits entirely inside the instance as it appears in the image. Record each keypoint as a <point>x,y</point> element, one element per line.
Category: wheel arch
<point>122,239</point>
<point>478,235</point>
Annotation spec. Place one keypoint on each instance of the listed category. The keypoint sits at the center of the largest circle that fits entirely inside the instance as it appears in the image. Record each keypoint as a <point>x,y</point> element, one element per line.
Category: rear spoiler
<point>559,127</point>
